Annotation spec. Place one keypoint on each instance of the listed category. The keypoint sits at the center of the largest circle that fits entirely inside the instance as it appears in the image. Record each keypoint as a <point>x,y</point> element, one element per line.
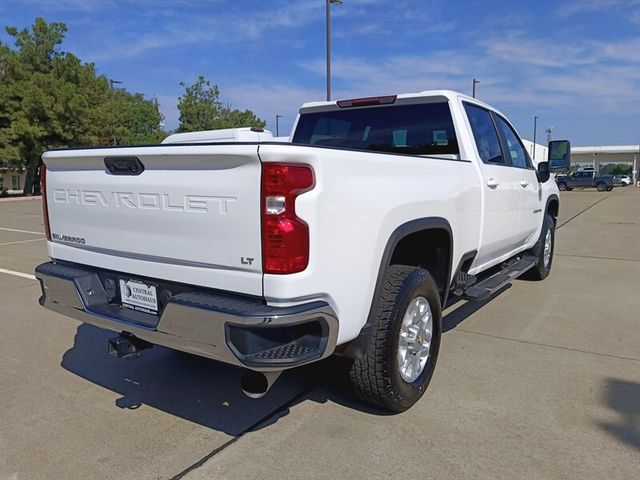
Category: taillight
<point>285,237</point>
<point>45,207</point>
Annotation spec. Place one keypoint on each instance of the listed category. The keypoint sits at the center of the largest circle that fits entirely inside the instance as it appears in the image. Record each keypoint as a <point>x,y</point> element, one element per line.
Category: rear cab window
<point>485,135</point>
<point>412,129</point>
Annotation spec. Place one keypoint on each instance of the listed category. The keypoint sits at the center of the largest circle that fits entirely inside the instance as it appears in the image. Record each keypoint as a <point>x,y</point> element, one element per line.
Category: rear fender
<point>358,347</point>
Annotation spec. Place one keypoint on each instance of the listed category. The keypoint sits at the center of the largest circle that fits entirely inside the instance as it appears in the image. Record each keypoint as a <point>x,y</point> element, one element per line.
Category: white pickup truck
<point>349,239</point>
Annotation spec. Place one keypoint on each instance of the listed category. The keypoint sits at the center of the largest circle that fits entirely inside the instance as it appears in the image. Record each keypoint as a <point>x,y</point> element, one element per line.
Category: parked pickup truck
<point>349,239</point>
<point>586,179</point>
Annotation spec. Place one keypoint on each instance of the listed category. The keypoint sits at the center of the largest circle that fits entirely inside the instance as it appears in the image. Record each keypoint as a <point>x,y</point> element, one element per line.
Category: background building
<point>11,180</point>
<point>597,156</point>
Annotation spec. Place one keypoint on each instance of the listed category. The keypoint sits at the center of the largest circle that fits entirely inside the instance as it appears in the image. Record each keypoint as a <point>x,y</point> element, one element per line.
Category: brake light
<point>368,101</point>
<point>285,237</point>
<point>45,206</point>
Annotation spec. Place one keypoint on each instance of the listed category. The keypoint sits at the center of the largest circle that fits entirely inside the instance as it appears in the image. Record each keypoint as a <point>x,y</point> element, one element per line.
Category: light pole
<point>278,117</point>
<point>475,82</point>
<point>113,82</point>
<point>535,130</point>
<point>160,122</point>
<point>328,22</point>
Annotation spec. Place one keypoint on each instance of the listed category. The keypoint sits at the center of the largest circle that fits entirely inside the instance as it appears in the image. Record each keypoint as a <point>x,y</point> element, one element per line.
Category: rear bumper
<point>234,329</point>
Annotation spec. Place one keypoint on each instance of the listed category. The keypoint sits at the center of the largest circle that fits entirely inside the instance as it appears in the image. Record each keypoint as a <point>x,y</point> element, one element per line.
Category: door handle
<point>492,183</point>
<point>524,183</point>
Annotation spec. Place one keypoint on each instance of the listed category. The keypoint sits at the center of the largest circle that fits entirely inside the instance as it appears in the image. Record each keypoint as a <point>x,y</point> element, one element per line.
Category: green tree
<point>127,118</point>
<point>237,118</point>
<point>202,109</point>
<point>28,96</point>
<point>621,169</point>
<point>51,99</point>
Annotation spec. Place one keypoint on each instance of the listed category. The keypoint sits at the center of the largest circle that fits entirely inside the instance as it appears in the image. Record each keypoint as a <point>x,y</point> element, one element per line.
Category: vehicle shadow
<point>201,390</point>
<point>624,398</point>
<point>452,318</point>
<point>197,389</point>
<point>207,392</point>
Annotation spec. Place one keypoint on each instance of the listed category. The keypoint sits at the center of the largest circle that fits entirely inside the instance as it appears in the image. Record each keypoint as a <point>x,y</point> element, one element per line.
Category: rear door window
<point>416,129</point>
<point>517,153</point>
<point>485,134</point>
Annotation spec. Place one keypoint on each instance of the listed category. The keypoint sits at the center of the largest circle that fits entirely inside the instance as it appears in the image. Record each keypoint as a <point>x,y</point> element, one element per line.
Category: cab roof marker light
<point>367,101</point>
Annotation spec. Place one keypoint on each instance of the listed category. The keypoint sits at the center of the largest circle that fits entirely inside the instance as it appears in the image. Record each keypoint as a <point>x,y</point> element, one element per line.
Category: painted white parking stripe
<point>22,241</point>
<point>20,231</point>
<point>17,274</point>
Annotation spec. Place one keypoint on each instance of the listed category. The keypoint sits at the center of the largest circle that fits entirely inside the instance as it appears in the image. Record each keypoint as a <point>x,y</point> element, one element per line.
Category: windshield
<point>418,129</point>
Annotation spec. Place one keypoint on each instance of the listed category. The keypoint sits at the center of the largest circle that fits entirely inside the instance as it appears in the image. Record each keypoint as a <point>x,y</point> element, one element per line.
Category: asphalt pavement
<point>542,381</point>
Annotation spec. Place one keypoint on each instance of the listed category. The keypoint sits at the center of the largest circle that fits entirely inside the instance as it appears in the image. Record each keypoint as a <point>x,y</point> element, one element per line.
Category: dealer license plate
<point>138,296</point>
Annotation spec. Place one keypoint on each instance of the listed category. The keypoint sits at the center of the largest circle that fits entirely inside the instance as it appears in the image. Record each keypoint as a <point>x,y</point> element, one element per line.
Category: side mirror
<point>543,173</point>
<point>559,155</point>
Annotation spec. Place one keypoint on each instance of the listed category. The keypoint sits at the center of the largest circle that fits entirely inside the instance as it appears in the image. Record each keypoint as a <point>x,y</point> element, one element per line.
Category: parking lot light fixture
<point>328,24</point>
<point>535,131</point>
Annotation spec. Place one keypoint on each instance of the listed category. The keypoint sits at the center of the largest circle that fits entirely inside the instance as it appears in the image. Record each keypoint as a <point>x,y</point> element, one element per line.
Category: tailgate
<point>191,216</point>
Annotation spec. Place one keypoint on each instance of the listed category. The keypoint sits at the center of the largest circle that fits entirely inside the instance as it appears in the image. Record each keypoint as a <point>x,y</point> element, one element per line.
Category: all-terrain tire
<point>542,268</point>
<point>376,377</point>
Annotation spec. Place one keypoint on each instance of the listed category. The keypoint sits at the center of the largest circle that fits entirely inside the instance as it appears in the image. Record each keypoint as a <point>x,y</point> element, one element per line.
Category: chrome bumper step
<point>234,329</point>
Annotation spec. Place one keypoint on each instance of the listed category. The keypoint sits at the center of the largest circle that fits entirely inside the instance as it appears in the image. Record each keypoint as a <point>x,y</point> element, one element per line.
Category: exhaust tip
<point>257,384</point>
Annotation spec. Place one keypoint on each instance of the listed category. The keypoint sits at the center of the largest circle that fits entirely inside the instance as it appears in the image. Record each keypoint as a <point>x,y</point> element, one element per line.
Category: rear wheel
<point>601,187</point>
<point>403,348</point>
<point>543,250</point>
<point>562,186</point>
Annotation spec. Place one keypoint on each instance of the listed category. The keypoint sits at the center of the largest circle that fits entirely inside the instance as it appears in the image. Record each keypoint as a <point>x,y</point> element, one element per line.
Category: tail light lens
<point>45,206</point>
<point>285,237</point>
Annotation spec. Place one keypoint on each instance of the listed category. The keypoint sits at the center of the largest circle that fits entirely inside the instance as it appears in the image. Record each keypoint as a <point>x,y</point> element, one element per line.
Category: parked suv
<point>622,180</point>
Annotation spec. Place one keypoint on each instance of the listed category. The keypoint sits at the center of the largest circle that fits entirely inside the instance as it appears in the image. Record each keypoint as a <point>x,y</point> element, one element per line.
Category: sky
<point>574,64</point>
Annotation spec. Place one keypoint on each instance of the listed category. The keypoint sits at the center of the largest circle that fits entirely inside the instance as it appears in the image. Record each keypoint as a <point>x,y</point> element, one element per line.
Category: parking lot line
<point>22,241</point>
<point>17,274</point>
<point>542,344</point>
<point>20,231</point>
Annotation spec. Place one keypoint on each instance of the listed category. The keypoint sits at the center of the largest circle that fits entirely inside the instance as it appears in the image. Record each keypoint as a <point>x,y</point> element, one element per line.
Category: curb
<point>21,199</point>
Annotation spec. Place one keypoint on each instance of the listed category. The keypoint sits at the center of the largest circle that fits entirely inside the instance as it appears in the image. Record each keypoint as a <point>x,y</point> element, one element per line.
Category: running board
<point>463,282</point>
<point>486,288</point>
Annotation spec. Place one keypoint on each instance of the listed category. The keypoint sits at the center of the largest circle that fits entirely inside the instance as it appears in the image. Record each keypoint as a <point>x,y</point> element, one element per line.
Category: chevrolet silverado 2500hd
<point>347,240</point>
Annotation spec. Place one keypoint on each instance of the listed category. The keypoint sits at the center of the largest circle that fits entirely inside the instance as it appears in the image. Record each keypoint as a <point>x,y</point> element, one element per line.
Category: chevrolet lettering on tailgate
<point>149,201</point>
